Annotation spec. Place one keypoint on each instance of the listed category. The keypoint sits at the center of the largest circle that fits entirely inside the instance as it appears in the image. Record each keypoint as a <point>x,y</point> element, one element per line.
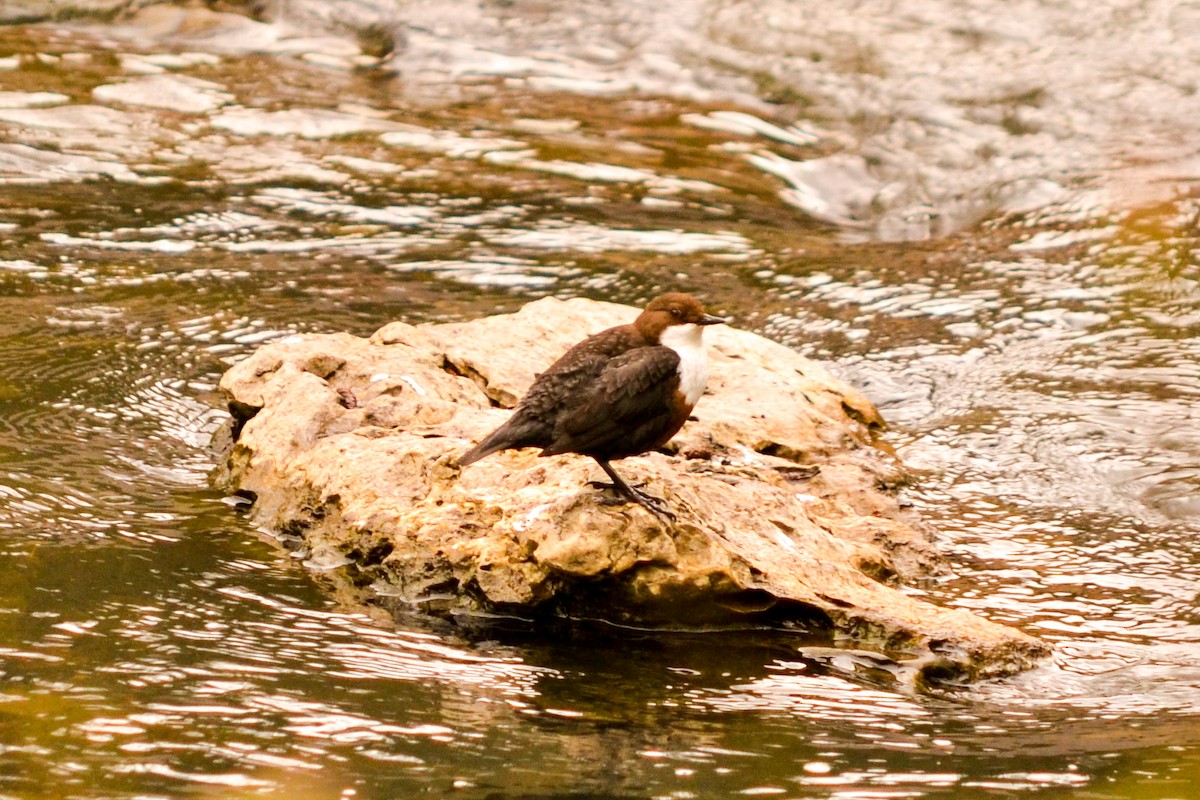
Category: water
<point>1038,367</point>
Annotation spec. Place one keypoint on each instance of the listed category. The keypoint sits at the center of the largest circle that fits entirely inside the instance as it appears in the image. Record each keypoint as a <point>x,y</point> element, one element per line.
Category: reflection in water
<point>1040,376</point>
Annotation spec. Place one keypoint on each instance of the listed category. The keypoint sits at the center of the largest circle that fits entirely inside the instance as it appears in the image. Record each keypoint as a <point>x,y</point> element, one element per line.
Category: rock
<point>351,443</point>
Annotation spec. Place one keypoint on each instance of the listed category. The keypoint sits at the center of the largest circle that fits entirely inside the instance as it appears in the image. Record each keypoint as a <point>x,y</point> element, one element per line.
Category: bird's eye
<point>676,313</point>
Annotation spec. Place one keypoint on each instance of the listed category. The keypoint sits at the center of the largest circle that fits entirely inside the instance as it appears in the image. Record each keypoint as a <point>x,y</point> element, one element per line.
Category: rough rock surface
<point>351,443</point>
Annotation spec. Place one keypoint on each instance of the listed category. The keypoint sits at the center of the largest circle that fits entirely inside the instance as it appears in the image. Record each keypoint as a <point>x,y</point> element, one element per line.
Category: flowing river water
<point>984,214</point>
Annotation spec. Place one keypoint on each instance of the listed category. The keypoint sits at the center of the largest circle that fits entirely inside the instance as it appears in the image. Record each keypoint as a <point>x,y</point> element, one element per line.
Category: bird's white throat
<point>688,342</point>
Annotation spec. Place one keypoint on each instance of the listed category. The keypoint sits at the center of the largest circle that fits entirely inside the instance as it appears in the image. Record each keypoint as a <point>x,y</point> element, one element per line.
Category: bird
<point>618,393</point>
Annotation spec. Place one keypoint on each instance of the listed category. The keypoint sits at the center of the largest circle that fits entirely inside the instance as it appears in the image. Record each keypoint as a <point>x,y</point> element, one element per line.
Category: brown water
<point>1039,369</point>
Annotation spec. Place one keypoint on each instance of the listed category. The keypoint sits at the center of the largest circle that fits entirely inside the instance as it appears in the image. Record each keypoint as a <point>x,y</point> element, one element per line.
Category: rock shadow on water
<point>349,446</point>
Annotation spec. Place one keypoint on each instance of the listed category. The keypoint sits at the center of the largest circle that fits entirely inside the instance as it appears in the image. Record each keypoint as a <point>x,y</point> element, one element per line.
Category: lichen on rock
<point>781,518</point>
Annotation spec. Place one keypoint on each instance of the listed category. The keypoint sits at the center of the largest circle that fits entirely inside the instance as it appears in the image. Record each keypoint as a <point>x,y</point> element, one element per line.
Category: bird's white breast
<point>688,342</point>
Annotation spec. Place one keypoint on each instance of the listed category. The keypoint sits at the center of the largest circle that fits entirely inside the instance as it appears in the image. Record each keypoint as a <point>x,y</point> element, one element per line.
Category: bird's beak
<point>709,319</point>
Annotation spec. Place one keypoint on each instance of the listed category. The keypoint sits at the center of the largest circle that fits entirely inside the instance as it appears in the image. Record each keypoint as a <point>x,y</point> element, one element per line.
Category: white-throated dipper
<point>618,393</point>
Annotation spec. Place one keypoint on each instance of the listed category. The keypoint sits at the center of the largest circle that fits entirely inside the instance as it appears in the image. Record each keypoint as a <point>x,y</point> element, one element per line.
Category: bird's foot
<point>619,490</point>
<point>629,494</point>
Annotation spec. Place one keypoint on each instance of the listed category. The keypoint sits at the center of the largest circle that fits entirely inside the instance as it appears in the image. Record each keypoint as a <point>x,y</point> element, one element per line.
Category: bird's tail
<point>484,448</point>
<point>506,437</point>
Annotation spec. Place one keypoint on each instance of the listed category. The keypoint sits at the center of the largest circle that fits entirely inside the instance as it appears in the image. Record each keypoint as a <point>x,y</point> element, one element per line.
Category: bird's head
<point>669,310</point>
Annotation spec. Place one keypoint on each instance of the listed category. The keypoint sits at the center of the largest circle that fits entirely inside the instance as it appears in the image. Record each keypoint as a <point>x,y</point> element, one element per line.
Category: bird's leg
<point>655,505</point>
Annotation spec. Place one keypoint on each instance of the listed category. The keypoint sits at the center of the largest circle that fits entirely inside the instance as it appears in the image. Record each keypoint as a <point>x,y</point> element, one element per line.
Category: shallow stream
<point>986,215</point>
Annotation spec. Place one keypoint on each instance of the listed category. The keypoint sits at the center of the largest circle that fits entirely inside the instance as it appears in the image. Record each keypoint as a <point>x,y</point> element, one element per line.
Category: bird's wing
<point>629,397</point>
<point>560,386</point>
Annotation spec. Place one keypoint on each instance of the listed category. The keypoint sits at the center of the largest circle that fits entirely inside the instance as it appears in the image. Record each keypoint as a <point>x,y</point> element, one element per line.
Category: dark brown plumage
<point>618,393</point>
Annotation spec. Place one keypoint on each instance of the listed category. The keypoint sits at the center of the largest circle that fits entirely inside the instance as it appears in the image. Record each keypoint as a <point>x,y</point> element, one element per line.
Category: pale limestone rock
<point>352,442</point>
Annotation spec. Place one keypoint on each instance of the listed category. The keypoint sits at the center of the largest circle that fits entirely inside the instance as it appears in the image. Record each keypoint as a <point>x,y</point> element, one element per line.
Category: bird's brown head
<point>670,309</point>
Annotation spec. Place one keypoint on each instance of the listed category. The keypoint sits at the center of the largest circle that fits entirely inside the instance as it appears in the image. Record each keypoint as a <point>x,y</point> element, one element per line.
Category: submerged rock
<point>351,443</point>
